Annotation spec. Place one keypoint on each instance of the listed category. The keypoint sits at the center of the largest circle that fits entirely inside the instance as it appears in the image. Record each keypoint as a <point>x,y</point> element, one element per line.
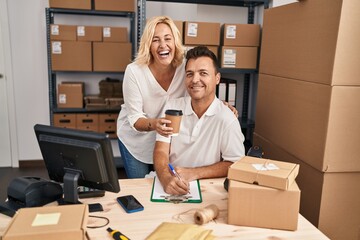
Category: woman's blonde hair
<point>144,55</point>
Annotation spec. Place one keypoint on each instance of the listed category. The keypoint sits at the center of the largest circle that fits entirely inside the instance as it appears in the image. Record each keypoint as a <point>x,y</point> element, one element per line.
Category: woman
<point>155,76</point>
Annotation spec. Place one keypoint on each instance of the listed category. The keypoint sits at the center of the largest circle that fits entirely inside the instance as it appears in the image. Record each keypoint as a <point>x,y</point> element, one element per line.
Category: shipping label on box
<point>256,206</point>
<point>264,172</point>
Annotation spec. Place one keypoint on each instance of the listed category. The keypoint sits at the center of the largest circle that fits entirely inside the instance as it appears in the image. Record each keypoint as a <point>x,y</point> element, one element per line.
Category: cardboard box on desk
<point>264,172</point>
<point>55,223</point>
<point>257,206</point>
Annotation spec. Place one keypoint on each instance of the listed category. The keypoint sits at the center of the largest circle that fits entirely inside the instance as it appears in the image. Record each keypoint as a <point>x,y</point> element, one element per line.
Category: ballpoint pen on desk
<point>117,235</point>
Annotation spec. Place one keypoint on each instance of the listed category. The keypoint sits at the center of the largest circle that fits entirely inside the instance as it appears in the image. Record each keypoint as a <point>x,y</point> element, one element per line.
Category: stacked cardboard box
<point>197,33</point>
<point>89,48</point>
<point>263,193</point>
<point>240,43</point>
<point>308,106</point>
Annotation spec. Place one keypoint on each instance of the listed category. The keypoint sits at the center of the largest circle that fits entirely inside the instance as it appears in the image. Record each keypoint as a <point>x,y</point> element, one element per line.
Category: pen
<point>172,169</point>
<point>117,235</point>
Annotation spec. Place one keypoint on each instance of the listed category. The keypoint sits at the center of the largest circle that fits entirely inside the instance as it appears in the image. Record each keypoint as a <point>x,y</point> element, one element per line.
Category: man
<point>210,137</point>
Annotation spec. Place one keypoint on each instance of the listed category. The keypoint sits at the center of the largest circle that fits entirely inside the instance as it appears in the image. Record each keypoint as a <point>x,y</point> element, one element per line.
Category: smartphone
<point>130,204</point>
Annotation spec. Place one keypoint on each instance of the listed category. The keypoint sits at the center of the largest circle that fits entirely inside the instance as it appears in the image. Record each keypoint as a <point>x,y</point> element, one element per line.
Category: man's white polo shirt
<point>216,135</point>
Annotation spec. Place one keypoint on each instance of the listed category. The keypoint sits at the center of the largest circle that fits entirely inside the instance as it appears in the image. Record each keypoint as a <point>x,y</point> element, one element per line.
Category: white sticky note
<point>46,219</point>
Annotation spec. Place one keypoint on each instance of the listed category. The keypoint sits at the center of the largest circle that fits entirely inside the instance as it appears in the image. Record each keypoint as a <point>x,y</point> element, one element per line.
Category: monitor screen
<point>77,158</point>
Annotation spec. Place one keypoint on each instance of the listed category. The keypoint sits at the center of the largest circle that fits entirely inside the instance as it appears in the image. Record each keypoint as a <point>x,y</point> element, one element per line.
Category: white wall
<point>29,58</point>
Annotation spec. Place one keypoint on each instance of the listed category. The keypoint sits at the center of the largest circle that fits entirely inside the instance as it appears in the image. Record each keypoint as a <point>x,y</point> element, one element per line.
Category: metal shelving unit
<point>245,122</point>
<point>50,19</point>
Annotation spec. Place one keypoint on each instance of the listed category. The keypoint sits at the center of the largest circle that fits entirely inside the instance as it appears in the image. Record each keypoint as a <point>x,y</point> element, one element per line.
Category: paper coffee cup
<point>175,117</point>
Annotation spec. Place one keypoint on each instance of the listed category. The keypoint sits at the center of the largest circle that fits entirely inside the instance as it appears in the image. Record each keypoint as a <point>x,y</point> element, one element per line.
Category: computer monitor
<point>77,158</point>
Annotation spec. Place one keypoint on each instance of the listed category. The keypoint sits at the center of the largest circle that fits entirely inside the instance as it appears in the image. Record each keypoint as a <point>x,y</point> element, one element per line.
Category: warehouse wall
<point>29,58</point>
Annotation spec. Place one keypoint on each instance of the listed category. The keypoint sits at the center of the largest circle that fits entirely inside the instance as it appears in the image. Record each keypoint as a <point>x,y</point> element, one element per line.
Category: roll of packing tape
<point>206,214</point>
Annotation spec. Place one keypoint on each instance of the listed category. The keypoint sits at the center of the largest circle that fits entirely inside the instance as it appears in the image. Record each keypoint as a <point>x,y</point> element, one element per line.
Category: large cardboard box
<point>257,206</point>
<point>115,5</point>
<point>315,41</point>
<point>331,201</point>
<point>65,120</point>
<point>56,223</point>
<point>264,172</point>
<point>89,122</point>
<point>71,56</point>
<point>70,95</point>
<point>108,56</point>
<point>239,57</point>
<point>62,32</point>
<point>202,33</point>
<point>71,4</point>
<point>89,33</point>
<point>115,34</point>
<point>240,35</point>
<point>317,123</point>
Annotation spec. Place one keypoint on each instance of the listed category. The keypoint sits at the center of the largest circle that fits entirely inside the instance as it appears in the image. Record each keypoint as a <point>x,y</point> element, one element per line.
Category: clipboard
<point>158,194</point>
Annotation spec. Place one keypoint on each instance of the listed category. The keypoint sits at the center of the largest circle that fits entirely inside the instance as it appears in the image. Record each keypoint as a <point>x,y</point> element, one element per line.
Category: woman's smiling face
<point>163,45</point>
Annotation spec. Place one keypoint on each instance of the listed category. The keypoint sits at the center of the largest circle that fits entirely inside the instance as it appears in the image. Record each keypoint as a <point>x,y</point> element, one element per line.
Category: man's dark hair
<point>202,51</point>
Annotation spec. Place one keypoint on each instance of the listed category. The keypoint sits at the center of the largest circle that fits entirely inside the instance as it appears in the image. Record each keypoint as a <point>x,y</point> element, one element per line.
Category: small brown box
<point>49,222</point>
<point>71,56</point>
<point>89,33</point>
<point>257,206</point>
<point>115,5</point>
<point>65,120</point>
<point>241,35</point>
<point>202,33</point>
<point>71,4</point>
<point>115,34</point>
<point>62,32</point>
<point>264,172</point>
<point>107,124</point>
<point>111,56</point>
<point>70,95</point>
<point>239,57</point>
<point>88,122</point>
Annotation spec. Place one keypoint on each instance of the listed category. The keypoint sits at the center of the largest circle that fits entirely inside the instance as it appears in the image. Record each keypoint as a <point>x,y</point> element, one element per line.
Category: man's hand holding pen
<point>176,185</point>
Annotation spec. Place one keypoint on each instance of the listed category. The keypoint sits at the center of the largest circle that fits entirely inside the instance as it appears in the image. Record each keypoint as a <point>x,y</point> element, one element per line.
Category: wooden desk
<point>140,224</point>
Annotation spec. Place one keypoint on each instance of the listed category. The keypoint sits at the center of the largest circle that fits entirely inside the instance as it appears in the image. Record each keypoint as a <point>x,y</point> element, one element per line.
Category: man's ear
<point>218,78</point>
